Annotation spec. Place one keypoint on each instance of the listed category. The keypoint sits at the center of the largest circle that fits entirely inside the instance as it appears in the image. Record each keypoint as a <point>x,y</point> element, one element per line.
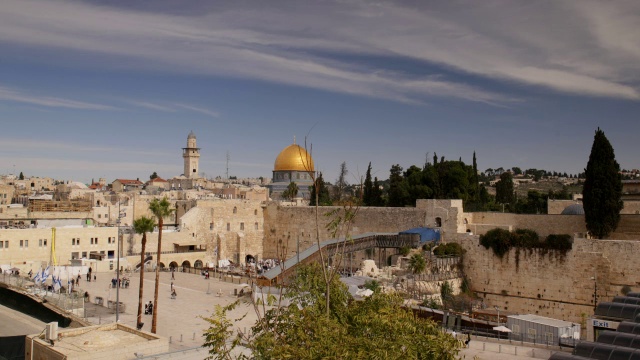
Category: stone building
<point>293,164</point>
<point>191,156</point>
<point>119,185</point>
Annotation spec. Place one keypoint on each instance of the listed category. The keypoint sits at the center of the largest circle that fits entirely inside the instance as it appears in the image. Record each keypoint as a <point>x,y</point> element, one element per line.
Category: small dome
<point>575,209</point>
<point>191,135</point>
<point>293,158</point>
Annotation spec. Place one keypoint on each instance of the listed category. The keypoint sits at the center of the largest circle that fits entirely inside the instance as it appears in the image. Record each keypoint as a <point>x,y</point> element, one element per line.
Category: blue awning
<point>426,234</point>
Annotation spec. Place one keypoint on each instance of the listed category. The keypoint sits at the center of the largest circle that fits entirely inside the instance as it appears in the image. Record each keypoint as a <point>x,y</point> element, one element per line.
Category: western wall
<point>523,281</point>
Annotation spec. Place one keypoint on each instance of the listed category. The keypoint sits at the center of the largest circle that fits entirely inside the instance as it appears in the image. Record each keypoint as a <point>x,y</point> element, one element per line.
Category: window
<point>531,333</point>
<point>1,244</point>
<point>255,226</point>
<point>96,241</point>
<point>75,255</point>
<point>548,337</point>
<point>241,226</point>
<point>21,243</point>
<point>73,241</point>
<point>516,329</point>
<point>99,216</point>
<point>26,243</point>
<point>228,226</point>
<point>84,254</point>
<point>6,244</point>
<point>210,226</point>
<point>235,210</point>
<point>44,242</point>
<point>91,240</point>
<point>40,242</point>
<point>255,212</point>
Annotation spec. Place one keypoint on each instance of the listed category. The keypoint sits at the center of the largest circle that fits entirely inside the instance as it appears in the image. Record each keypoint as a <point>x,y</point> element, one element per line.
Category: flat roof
<point>542,320</point>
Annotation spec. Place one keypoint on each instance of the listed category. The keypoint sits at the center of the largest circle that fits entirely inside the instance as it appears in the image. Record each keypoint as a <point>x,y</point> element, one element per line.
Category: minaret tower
<point>191,156</point>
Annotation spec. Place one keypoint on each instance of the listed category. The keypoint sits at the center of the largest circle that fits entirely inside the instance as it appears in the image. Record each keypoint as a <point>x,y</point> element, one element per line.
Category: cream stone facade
<point>6,194</point>
<point>191,156</point>
<point>31,248</point>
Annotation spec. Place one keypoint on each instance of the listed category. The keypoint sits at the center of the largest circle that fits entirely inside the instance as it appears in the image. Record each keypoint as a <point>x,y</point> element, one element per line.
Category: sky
<point>92,89</point>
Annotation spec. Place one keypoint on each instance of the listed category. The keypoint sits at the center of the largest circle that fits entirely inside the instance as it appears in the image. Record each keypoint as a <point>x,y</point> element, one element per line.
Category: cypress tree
<point>367,197</point>
<point>602,191</point>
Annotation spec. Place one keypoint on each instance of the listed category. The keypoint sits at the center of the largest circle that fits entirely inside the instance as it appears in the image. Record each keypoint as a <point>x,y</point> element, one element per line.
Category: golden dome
<point>293,158</point>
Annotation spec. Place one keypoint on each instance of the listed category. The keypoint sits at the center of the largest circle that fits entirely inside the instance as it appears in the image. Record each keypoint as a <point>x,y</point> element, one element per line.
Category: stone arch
<point>249,259</point>
<point>161,265</point>
<point>186,264</point>
<point>197,264</point>
<point>173,265</point>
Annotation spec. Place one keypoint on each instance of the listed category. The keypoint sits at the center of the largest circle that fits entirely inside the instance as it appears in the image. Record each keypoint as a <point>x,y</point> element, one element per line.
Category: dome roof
<point>575,209</point>
<point>293,158</point>
<point>191,135</point>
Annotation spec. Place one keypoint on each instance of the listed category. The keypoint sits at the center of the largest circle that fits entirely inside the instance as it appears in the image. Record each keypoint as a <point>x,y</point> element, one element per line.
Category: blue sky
<point>111,89</point>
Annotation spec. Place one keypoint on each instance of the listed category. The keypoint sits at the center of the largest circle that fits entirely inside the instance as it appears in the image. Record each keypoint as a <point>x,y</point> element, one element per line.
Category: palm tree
<point>142,226</point>
<point>417,263</point>
<point>161,209</point>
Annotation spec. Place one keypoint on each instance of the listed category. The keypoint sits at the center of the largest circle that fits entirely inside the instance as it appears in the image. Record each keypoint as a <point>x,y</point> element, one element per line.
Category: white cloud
<point>7,94</point>
<point>576,47</point>
<point>21,145</point>
<point>199,110</point>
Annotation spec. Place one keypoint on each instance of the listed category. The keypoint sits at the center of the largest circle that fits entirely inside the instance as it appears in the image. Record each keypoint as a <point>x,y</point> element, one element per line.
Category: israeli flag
<point>36,279</point>
<point>45,274</point>
<point>57,284</point>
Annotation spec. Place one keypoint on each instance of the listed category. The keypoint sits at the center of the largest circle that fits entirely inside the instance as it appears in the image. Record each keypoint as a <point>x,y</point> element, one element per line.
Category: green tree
<point>341,183</point>
<point>160,209</point>
<point>417,263</point>
<point>602,191</point>
<point>370,329</point>
<point>367,196</point>
<point>291,192</point>
<point>397,188</point>
<point>376,193</point>
<point>322,192</point>
<point>446,293</point>
<point>153,176</point>
<point>504,189</point>
<point>142,225</point>
<point>21,177</point>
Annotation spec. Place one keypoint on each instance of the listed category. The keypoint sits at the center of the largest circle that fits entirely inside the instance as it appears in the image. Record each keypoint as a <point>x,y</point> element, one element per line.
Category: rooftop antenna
<point>228,158</point>
<point>294,139</point>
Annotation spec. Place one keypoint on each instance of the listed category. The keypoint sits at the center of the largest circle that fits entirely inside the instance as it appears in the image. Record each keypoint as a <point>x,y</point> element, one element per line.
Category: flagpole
<point>118,266</point>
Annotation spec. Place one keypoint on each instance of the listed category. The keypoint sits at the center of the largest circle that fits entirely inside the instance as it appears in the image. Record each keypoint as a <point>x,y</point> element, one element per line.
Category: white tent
<point>502,328</point>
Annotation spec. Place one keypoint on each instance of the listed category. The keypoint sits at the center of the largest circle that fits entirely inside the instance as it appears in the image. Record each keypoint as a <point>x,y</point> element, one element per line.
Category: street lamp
<point>120,216</point>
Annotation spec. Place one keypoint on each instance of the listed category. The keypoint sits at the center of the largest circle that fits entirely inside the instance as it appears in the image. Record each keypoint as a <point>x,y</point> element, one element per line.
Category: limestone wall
<point>286,227</point>
<point>543,224</point>
<point>550,284</point>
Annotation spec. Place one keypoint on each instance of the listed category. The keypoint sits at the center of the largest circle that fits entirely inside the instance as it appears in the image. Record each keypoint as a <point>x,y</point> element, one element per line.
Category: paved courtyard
<point>178,318</point>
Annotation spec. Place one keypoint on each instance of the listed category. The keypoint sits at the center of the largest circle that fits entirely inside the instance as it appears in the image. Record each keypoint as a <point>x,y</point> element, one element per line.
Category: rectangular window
<point>21,243</point>
<point>73,241</point>
<point>99,216</point>
<point>531,333</point>
<point>228,226</point>
<point>6,244</point>
<point>241,226</point>
<point>210,226</point>
<point>44,241</point>
<point>1,244</point>
<point>84,254</point>
<point>548,337</point>
<point>255,226</point>
<point>40,242</point>
<point>26,243</point>
<point>75,255</point>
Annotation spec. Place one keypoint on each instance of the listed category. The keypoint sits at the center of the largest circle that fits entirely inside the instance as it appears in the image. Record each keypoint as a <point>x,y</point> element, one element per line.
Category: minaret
<point>191,156</point>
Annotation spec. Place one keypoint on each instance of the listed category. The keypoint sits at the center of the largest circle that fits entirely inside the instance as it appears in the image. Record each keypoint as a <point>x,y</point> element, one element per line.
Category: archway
<point>249,259</point>
<point>161,265</point>
<point>438,222</point>
<point>186,264</point>
<point>197,264</point>
<point>173,265</point>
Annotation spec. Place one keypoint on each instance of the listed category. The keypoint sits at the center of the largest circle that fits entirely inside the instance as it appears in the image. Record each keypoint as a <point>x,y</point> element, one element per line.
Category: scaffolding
<point>60,206</point>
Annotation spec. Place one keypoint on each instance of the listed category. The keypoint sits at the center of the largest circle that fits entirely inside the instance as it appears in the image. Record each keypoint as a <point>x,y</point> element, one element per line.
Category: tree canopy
<point>602,191</point>
<point>373,328</point>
